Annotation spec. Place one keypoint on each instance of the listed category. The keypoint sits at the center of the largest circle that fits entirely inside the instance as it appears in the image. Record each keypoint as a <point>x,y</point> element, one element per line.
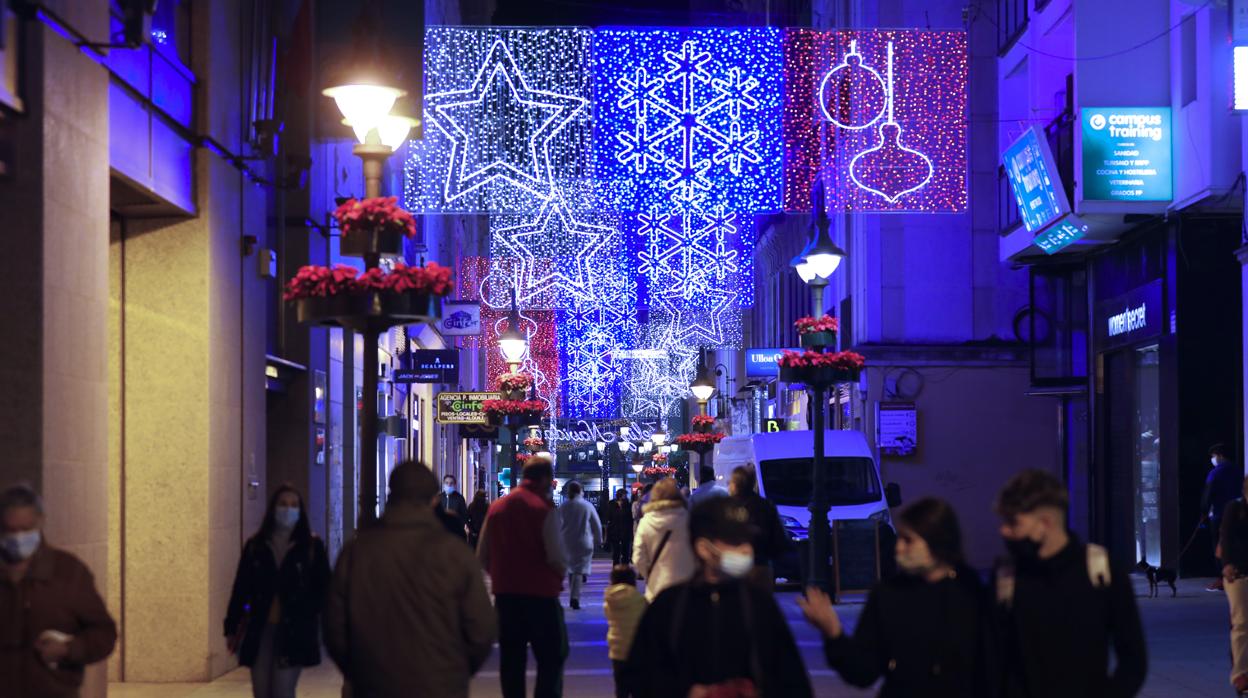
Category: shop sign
<point>1034,180</point>
<point>463,408</point>
<point>460,319</point>
<point>429,366</point>
<point>1126,154</point>
<point>1131,317</point>
<point>1067,232</point>
<point>761,363</point>
<point>774,425</point>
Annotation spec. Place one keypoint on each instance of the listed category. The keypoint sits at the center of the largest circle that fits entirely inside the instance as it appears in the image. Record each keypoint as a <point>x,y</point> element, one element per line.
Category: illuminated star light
<point>555,252</point>
<point>448,111</point>
<point>704,325</point>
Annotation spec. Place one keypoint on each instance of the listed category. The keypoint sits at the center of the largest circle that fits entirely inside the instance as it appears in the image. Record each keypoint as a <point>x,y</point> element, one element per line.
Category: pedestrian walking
<point>52,620</point>
<point>521,549</point>
<point>1060,605</point>
<point>770,540</point>
<point>620,528</point>
<point>707,488</point>
<point>408,613</point>
<point>716,635</point>
<point>661,548</point>
<point>476,515</point>
<point>581,532</point>
<point>273,619</point>
<point>1233,551</point>
<point>1222,486</point>
<point>639,503</point>
<point>453,506</point>
<point>926,630</point>
<point>623,606</point>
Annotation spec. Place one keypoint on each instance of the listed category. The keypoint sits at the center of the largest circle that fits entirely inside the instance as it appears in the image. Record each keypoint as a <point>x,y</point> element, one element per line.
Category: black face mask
<point>1023,550</point>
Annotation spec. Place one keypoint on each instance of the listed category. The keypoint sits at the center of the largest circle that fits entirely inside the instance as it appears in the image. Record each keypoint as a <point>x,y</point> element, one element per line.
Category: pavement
<point>1187,639</point>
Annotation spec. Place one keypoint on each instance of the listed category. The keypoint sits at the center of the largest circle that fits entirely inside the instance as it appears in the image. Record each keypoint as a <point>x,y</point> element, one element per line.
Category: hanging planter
<point>702,424</point>
<point>818,376</point>
<point>817,332</point>
<point>374,300</point>
<point>373,227</point>
<point>819,370</point>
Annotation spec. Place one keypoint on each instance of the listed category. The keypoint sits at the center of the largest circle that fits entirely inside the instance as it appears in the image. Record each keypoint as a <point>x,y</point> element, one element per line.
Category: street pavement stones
<point>1187,640</point>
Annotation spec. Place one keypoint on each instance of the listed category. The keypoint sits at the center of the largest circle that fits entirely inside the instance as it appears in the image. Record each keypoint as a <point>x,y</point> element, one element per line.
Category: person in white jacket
<point>661,550</point>
<point>582,532</point>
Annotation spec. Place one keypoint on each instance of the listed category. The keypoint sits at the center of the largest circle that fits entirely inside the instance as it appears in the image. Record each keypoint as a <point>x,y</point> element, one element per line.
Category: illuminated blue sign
<point>1070,230</point>
<point>1126,154</point>
<point>760,363</point>
<point>1033,178</point>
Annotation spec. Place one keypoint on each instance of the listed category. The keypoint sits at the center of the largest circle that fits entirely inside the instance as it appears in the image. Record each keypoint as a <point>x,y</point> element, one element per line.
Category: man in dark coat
<point>455,510</point>
<point>52,620</point>
<point>619,518</point>
<point>770,540</point>
<point>408,613</point>
<point>1222,486</point>
<point>1061,606</point>
<point>715,632</point>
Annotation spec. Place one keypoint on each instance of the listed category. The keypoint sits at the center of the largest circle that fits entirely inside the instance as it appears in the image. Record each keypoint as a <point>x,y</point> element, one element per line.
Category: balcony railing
<point>1012,18</point>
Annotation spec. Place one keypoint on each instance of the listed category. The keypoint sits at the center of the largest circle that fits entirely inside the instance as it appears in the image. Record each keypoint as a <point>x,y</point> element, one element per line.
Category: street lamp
<point>814,265</point>
<point>659,437</point>
<point>703,386</point>
<point>366,104</point>
<point>512,342</point>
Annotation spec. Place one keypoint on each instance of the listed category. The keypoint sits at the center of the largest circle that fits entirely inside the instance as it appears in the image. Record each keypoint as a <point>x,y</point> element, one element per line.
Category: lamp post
<point>602,467</point>
<point>815,265</point>
<point>513,344</point>
<point>366,105</point>
<point>624,445</point>
<point>703,388</point>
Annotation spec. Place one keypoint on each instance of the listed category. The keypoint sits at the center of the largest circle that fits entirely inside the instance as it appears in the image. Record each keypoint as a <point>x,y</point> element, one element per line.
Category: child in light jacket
<point>624,606</point>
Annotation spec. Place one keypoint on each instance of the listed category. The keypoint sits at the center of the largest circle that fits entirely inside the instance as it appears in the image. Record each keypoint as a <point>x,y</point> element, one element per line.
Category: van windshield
<point>786,481</point>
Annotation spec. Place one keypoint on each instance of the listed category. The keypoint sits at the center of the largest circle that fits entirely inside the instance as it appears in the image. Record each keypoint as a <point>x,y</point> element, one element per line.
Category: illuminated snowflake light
<point>688,117</point>
<point>510,116</point>
<point>881,115</point>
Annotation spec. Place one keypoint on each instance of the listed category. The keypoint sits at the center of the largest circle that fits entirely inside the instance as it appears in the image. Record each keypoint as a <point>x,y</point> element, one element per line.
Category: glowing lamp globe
<point>623,446</point>
<point>637,467</point>
<point>602,446</point>
<point>363,106</point>
<point>659,437</point>
<point>512,344</point>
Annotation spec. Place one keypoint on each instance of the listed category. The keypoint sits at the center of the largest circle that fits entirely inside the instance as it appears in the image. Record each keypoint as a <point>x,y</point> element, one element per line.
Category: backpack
<point>1098,574</point>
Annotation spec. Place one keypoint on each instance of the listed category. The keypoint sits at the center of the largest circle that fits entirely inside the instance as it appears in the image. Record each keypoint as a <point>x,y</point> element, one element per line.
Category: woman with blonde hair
<point>661,550</point>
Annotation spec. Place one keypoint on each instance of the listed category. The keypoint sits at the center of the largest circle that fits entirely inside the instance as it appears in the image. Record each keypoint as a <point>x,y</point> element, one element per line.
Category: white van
<point>783,461</point>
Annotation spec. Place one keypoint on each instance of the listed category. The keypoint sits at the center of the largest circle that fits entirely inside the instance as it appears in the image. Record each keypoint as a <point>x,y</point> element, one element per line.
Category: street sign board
<point>429,366</point>
<point>460,319</point>
<point>1126,154</point>
<point>463,408</point>
<point>1034,180</point>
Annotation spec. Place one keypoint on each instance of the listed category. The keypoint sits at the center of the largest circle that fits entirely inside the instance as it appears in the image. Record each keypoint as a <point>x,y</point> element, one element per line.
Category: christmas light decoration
<point>688,117</point>
<point>881,115</point>
<point>542,360</point>
<point>510,114</point>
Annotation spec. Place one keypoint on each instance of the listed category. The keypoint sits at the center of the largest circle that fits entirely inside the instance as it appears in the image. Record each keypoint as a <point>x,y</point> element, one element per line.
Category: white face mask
<point>286,517</point>
<point>449,489</point>
<point>1216,461</point>
<point>734,564</point>
<point>16,547</point>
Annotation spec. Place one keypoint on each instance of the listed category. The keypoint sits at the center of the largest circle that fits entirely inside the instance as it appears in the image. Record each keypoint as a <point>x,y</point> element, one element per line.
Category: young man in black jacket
<point>715,634</point>
<point>1060,604</point>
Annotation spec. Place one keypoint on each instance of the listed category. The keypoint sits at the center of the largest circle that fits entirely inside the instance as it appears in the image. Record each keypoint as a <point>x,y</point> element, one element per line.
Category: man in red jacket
<point>521,551</point>
<point>52,621</point>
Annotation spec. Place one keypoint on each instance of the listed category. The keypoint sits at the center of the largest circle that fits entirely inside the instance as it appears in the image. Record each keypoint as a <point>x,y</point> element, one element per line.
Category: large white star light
<point>510,114</point>
<point>713,320</point>
<point>555,253</point>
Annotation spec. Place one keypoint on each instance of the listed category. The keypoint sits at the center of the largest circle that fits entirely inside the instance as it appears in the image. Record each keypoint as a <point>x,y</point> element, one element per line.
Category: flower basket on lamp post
<point>374,227</point>
<point>820,370</point>
<point>370,302</point>
<point>817,332</point>
<point>700,443</point>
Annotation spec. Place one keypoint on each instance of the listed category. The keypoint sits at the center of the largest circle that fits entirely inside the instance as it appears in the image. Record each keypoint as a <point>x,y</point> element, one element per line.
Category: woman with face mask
<point>925,630</point>
<point>716,635</point>
<point>273,621</point>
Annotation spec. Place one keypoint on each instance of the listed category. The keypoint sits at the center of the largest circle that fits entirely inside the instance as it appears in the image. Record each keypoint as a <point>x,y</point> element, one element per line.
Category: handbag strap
<point>658,552</point>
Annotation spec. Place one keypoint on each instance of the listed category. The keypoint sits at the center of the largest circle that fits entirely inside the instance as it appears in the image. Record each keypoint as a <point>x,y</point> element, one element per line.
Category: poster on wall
<point>897,428</point>
<point>1126,154</point>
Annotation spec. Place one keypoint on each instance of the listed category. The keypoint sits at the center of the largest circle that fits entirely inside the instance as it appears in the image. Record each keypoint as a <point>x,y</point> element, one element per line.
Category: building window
<point>1012,18</point>
<point>1057,325</point>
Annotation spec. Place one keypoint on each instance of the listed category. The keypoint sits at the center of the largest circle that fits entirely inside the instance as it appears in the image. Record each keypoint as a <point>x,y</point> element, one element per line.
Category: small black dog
<point>1157,576</point>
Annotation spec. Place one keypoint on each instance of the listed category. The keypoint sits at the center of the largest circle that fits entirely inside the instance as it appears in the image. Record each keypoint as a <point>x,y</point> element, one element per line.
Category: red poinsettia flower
<point>505,407</point>
<point>514,381</point>
<point>703,420</point>
<point>711,439</point>
<point>382,213</point>
<point>807,325</point>
<point>659,471</point>
<point>843,360</point>
<point>313,281</point>
<point>534,443</point>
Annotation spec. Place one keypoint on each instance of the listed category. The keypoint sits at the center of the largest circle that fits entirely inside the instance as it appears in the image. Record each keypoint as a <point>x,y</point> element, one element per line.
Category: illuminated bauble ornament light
<point>853,95</point>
